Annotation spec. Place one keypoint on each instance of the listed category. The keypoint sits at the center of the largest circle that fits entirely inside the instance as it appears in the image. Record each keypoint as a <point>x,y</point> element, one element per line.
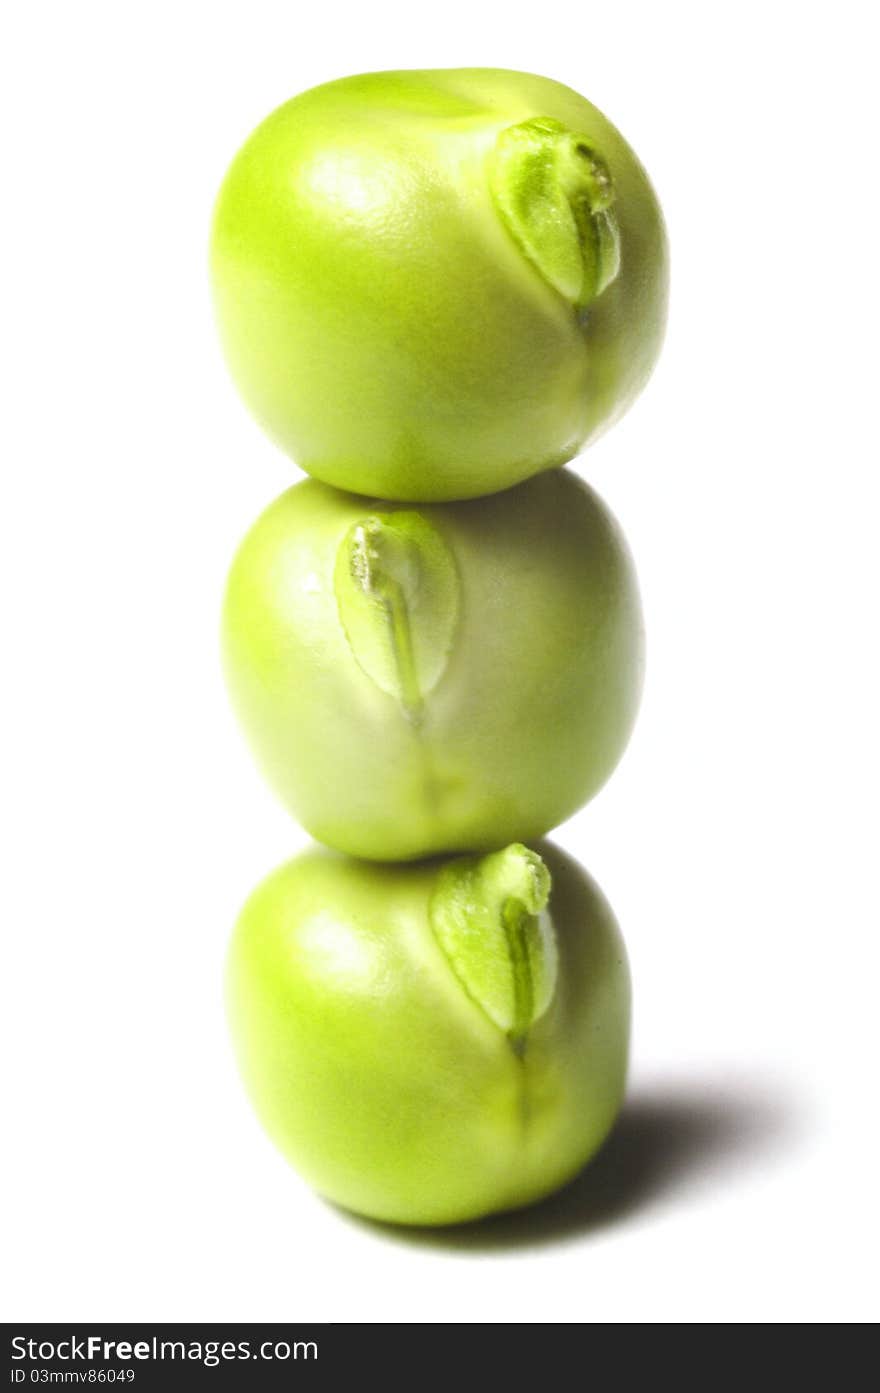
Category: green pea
<point>433,285</point>
<point>428,1044</point>
<point>447,678</point>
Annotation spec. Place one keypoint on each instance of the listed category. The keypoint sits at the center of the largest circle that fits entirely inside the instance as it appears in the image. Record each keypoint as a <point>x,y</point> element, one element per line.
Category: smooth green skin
<point>383,1081</point>
<point>532,665</point>
<point>381,319</point>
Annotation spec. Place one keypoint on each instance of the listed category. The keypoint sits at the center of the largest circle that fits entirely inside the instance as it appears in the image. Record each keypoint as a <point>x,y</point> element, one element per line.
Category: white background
<point>738,841</point>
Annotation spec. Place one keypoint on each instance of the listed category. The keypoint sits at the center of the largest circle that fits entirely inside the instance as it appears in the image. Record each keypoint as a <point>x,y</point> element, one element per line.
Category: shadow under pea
<point>670,1140</point>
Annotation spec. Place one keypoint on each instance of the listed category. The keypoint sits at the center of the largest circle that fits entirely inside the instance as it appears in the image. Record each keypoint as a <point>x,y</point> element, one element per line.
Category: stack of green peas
<point>433,289</point>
